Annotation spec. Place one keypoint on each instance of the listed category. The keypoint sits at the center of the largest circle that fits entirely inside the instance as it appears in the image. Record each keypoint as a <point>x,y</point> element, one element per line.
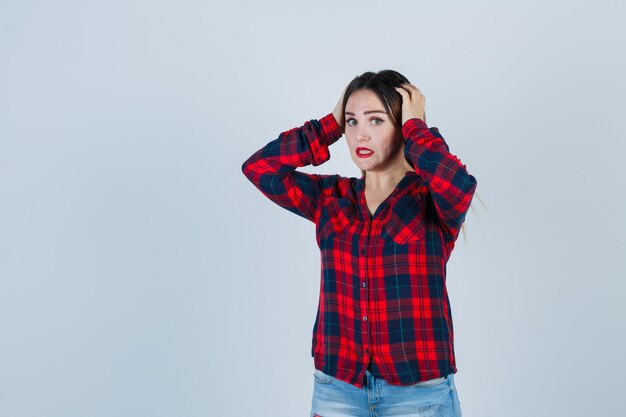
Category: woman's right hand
<point>338,111</point>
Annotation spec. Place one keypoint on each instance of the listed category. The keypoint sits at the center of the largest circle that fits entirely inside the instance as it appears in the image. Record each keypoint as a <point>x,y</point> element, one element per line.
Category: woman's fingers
<point>412,102</point>
<point>403,92</point>
<point>409,89</point>
<point>338,110</point>
<point>412,89</point>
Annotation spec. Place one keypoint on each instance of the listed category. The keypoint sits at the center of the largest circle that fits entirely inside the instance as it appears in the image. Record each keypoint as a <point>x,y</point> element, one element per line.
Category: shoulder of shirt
<point>338,185</point>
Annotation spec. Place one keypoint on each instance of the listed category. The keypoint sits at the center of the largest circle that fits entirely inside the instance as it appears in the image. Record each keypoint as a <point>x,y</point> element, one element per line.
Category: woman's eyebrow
<point>368,112</point>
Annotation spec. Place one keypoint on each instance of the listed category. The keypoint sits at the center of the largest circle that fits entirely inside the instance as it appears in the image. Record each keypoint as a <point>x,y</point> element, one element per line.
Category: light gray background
<point>141,274</point>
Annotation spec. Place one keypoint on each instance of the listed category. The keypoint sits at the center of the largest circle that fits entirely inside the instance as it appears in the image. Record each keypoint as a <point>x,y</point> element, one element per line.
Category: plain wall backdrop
<point>141,274</point>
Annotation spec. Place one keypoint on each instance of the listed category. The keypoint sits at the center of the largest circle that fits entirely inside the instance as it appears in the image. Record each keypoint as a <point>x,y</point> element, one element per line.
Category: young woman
<point>383,340</point>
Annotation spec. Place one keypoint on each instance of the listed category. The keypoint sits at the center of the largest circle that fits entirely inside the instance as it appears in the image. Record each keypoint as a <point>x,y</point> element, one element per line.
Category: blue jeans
<point>333,397</point>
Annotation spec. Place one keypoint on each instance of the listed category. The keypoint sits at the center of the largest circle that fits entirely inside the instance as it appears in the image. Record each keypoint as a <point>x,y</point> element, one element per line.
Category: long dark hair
<point>382,83</point>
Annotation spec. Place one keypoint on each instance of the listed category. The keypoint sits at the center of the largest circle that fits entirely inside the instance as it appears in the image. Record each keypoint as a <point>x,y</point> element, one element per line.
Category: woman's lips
<point>364,152</point>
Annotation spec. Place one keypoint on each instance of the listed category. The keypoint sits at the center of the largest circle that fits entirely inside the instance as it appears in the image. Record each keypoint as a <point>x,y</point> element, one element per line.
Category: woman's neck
<point>387,179</point>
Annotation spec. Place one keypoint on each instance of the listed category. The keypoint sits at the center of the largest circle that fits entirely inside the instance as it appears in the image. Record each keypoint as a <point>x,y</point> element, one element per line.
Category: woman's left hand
<point>413,102</point>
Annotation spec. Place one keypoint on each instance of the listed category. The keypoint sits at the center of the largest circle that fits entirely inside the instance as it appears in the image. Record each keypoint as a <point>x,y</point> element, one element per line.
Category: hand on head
<point>413,102</point>
<point>337,112</point>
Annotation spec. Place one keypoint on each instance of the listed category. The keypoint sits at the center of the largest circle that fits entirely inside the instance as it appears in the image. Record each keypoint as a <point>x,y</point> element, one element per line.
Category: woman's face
<point>375,143</point>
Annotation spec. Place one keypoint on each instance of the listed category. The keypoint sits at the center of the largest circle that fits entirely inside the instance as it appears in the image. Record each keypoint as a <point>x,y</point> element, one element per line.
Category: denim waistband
<point>433,381</point>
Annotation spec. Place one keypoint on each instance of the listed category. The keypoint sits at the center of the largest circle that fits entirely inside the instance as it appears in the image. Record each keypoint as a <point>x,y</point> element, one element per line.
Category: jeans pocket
<point>321,377</point>
<point>431,383</point>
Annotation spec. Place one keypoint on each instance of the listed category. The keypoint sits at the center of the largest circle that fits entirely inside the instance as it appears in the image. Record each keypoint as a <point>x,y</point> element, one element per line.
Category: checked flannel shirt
<point>383,290</point>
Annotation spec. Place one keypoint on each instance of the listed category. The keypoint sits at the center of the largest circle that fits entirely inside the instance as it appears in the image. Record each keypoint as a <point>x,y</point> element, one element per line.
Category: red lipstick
<point>364,152</point>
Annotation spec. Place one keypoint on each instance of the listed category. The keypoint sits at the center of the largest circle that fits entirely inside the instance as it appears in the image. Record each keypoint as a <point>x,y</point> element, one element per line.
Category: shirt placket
<point>364,293</point>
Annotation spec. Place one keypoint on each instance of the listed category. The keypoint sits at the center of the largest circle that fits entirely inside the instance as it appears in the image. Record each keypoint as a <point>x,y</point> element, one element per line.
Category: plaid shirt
<point>383,290</point>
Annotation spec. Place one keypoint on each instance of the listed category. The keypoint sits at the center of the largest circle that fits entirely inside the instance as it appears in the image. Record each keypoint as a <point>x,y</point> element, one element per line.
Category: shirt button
<point>364,318</point>
<point>362,251</point>
<point>363,285</point>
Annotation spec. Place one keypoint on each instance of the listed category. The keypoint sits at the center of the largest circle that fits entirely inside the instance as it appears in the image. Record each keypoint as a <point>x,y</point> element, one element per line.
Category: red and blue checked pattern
<point>383,290</point>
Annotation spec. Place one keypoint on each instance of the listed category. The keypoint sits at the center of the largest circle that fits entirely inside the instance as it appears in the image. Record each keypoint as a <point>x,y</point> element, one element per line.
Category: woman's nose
<point>362,135</point>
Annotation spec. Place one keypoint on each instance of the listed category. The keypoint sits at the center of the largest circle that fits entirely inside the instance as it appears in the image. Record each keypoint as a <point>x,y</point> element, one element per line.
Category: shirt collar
<point>410,178</point>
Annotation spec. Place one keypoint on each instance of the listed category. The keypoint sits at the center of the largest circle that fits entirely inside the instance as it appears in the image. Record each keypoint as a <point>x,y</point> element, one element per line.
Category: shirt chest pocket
<point>406,221</point>
<point>337,217</point>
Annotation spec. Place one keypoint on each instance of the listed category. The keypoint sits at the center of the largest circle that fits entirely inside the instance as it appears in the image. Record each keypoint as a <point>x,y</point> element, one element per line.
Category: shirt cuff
<point>413,125</point>
<point>330,129</point>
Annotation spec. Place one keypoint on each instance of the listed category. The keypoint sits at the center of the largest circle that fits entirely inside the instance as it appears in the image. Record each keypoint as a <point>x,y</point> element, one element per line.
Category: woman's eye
<point>349,122</point>
<point>377,120</point>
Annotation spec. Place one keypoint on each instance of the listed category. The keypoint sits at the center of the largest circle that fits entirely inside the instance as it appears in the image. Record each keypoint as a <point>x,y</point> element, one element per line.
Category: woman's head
<point>372,120</point>
<point>381,83</point>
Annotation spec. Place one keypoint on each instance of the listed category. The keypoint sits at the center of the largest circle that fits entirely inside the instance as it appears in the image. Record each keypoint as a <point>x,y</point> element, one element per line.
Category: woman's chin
<point>363,168</point>
<point>364,165</point>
